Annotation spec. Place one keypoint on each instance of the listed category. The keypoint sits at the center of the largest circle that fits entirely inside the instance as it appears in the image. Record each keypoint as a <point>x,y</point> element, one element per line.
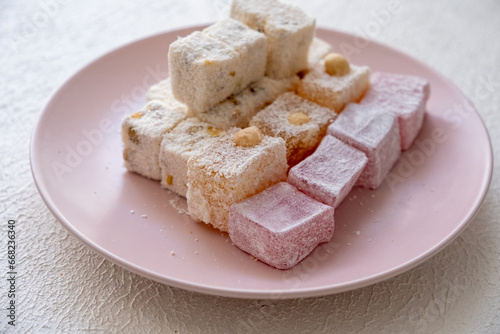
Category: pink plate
<point>429,198</point>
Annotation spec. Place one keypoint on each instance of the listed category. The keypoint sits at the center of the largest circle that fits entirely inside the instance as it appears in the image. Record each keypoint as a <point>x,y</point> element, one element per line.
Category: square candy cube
<point>373,131</point>
<point>403,95</point>
<point>301,123</point>
<point>280,226</point>
<point>290,33</point>
<point>200,68</point>
<point>334,91</point>
<point>250,44</point>
<point>205,69</point>
<point>142,133</point>
<point>237,110</point>
<point>288,29</point>
<point>189,137</point>
<point>330,172</point>
<point>226,173</point>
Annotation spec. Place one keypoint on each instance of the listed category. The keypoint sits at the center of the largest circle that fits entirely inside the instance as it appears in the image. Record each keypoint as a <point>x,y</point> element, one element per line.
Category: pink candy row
<point>283,224</point>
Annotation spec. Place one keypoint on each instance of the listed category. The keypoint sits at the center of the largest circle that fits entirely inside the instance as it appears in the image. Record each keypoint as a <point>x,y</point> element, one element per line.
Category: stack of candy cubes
<point>265,131</point>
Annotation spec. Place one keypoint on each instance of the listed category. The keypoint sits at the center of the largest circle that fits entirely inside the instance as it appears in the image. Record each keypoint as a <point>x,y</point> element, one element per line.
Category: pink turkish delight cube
<point>403,95</point>
<point>329,174</point>
<point>280,226</point>
<point>373,131</point>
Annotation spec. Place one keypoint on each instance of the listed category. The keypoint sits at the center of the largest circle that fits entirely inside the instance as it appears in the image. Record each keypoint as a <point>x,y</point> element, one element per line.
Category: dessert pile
<point>265,131</point>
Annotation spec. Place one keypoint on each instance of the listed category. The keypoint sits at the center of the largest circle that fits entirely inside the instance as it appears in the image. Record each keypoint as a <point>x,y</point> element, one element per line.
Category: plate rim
<point>256,293</point>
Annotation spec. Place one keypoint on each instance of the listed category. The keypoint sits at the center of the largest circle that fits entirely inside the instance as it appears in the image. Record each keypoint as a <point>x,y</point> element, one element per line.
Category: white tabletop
<point>63,287</point>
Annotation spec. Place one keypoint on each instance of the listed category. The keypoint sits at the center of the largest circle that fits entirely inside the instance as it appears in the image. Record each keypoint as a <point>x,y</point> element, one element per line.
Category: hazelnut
<point>137,115</point>
<point>298,118</point>
<point>336,64</point>
<point>247,137</point>
<point>170,178</point>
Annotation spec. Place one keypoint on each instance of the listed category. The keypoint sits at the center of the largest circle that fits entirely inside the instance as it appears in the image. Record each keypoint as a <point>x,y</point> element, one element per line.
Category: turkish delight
<point>288,29</point>
<point>237,166</point>
<point>335,91</point>
<point>142,133</point>
<point>403,95</point>
<point>189,137</point>
<point>330,172</point>
<point>280,226</point>
<point>372,130</point>
<point>301,123</point>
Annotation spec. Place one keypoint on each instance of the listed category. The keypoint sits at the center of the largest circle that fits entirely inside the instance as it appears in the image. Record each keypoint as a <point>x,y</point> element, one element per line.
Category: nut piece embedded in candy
<point>248,137</point>
<point>336,64</point>
<point>214,132</point>
<point>133,136</point>
<point>137,115</point>
<point>298,118</point>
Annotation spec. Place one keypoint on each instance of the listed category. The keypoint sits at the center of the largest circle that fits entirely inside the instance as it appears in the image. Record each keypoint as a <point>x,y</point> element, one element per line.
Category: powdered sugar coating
<point>207,66</point>
<point>330,172</point>
<point>300,140</point>
<point>317,51</point>
<point>253,13</point>
<point>288,29</point>
<point>333,91</point>
<point>237,110</point>
<point>163,91</point>
<point>290,32</point>
<point>403,95</point>
<point>187,138</point>
<point>200,67</point>
<point>280,226</point>
<point>251,46</point>
<point>240,37</point>
<point>142,133</point>
<point>372,130</point>
<point>224,174</point>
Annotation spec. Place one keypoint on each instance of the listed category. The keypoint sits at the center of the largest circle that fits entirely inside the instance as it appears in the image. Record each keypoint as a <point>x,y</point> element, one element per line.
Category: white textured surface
<point>457,291</point>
